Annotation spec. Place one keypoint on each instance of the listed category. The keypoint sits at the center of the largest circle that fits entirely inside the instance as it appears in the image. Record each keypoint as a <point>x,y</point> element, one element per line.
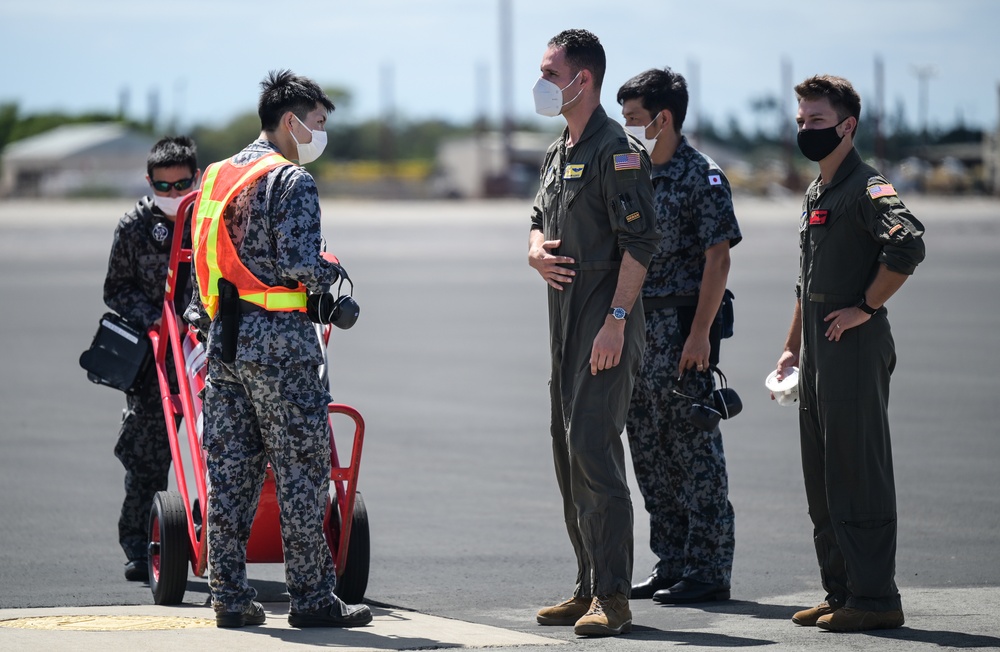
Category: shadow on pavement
<point>699,639</point>
<point>938,637</point>
<point>745,608</point>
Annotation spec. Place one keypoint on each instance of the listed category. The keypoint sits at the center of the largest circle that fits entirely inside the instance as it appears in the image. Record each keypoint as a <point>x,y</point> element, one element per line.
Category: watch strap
<point>863,304</point>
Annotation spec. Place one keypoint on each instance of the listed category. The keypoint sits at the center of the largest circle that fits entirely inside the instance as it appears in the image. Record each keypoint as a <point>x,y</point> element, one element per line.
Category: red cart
<point>176,535</point>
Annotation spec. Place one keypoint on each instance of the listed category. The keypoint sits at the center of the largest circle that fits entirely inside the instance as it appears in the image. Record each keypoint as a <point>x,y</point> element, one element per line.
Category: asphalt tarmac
<point>448,363</point>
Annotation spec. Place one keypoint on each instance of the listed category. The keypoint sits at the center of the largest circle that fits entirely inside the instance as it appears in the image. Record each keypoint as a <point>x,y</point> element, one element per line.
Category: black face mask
<point>817,144</point>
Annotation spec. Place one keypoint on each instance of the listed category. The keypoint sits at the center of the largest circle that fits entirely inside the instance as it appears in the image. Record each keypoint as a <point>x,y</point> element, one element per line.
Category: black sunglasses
<point>165,186</point>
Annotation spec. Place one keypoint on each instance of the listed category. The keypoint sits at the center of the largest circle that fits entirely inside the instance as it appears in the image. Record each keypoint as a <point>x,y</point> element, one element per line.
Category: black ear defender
<point>345,309</point>
<point>722,403</point>
<point>341,311</point>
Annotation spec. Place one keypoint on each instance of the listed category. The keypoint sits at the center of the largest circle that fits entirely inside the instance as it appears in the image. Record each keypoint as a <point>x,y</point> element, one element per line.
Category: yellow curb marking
<point>107,623</point>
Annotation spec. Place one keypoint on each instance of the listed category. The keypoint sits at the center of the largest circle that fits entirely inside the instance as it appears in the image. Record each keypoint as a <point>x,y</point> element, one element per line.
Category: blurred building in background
<point>77,160</point>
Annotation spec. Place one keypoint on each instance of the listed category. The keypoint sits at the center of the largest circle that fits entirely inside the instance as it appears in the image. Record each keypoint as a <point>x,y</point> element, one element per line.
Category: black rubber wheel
<point>168,548</point>
<point>353,582</point>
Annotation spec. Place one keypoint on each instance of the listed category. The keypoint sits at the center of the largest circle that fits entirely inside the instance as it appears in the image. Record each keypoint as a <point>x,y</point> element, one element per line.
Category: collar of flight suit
<point>850,162</point>
<point>597,121</point>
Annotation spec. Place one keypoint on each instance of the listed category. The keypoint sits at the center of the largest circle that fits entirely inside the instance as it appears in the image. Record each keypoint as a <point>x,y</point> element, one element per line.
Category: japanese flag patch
<point>715,179</point>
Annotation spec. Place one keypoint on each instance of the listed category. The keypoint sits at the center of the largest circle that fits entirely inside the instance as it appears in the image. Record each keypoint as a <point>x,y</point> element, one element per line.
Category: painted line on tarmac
<point>153,628</point>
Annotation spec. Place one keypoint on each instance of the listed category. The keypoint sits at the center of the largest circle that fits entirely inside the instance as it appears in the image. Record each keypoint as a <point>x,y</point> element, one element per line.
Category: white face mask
<point>640,135</point>
<point>548,96</point>
<point>168,205</point>
<point>309,152</point>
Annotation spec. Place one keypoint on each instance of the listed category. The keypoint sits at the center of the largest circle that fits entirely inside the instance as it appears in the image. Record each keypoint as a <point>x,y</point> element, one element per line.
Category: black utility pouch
<point>119,356</point>
<point>721,328</point>
<point>229,318</point>
<point>726,316</point>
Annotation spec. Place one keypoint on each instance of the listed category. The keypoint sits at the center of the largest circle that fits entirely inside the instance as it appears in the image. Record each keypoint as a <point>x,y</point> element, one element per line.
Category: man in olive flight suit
<point>592,236</point>
<point>859,244</point>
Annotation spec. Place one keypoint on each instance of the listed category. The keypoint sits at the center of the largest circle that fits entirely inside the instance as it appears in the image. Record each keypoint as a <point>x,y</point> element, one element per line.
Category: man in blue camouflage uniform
<point>134,287</point>
<point>859,244</point>
<point>269,404</point>
<point>681,468</point>
<point>591,237</point>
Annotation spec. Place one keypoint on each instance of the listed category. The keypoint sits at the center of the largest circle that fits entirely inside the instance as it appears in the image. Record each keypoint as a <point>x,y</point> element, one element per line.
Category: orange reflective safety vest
<point>215,256</point>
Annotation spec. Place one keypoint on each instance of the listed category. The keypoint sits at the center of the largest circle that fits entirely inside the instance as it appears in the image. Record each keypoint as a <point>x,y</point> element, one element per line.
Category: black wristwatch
<point>618,313</point>
<point>863,304</point>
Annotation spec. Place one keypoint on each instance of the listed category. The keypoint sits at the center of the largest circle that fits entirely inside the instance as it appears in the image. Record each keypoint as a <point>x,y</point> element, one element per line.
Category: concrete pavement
<point>935,619</point>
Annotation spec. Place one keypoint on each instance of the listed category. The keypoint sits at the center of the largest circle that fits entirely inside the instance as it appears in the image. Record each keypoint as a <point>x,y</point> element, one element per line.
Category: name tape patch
<point>573,171</point>
<point>818,217</point>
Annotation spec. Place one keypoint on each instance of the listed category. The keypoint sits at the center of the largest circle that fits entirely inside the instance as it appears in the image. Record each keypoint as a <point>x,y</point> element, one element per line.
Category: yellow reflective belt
<point>277,301</point>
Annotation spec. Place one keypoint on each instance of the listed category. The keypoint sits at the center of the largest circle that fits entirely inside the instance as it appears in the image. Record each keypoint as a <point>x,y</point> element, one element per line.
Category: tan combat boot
<point>859,620</point>
<point>808,617</point>
<point>564,613</point>
<point>608,616</point>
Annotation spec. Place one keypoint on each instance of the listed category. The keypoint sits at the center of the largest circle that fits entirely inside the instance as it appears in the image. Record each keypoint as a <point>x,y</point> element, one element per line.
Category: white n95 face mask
<point>309,152</point>
<point>640,135</point>
<point>168,205</point>
<point>548,96</point>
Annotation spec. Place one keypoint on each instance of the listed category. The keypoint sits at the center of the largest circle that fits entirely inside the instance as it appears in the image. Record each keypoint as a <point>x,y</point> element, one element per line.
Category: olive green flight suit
<point>849,227</point>
<point>597,198</point>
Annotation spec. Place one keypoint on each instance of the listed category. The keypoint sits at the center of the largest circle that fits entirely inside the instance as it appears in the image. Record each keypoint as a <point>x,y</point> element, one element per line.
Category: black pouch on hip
<point>229,318</point>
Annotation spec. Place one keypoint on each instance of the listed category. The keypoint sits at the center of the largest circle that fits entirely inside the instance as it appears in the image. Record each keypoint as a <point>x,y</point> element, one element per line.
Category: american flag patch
<point>627,161</point>
<point>884,190</point>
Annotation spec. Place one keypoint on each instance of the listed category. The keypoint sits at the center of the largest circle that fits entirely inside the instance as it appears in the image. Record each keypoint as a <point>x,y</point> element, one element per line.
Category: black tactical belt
<point>593,266</point>
<point>816,297</point>
<point>247,308</point>
<point>649,304</point>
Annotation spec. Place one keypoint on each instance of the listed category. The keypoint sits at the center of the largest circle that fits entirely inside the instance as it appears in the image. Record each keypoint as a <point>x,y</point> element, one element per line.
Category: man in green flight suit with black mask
<point>592,236</point>
<point>859,244</point>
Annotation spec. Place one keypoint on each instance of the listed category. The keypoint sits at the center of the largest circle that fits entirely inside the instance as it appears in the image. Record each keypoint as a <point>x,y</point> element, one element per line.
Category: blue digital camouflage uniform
<point>849,228</point>
<point>596,198</point>
<point>681,469</point>
<point>269,404</point>
<point>134,287</point>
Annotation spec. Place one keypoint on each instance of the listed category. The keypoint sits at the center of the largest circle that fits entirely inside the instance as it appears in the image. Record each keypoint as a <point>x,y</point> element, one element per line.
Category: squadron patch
<point>715,179</point>
<point>573,170</point>
<point>160,232</point>
<point>626,161</point>
<point>882,190</point>
<point>818,217</point>
<point>633,217</point>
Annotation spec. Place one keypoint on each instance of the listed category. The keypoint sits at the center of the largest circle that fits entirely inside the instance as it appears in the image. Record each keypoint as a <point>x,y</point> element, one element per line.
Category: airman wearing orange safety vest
<point>257,261</point>
<point>216,256</point>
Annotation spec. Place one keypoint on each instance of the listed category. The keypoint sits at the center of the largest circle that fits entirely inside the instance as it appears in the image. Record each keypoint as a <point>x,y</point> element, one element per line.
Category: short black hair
<point>172,151</point>
<point>657,90</point>
<point>583,50</point>
<point>283,90</point>
<point>837,90</point>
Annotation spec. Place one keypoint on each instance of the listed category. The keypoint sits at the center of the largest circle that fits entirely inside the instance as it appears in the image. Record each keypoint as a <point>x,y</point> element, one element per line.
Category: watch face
<point>618,313</point>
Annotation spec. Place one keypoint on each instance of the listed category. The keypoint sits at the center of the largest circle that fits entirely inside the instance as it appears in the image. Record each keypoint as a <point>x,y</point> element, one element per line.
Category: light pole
<point>924,74</point>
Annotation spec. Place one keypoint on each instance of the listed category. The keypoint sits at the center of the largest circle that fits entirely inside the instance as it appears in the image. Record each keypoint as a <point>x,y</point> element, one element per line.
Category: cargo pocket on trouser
<point>869,550</point>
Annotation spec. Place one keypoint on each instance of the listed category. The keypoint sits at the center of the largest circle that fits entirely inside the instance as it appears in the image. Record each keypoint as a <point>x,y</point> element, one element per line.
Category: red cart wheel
<point>168,548</point>
<point>353,581</point>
